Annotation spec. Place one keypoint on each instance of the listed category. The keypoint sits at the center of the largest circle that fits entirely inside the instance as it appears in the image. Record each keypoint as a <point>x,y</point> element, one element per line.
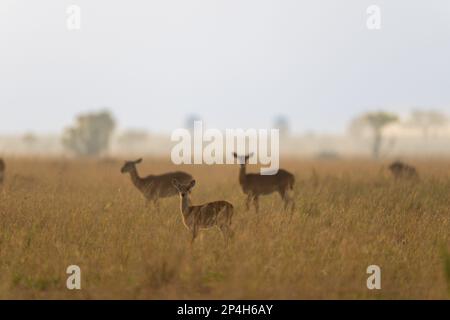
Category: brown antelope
<point>155,187</point>
<point>256,185</point>
<point>401,170</point>
<point>2,171</point>
<point>213,214</point>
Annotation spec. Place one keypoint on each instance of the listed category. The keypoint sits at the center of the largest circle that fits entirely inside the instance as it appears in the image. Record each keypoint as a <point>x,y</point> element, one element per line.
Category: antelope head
<point>130,165</point>
<point>242,160</point>
<point>183,190</point>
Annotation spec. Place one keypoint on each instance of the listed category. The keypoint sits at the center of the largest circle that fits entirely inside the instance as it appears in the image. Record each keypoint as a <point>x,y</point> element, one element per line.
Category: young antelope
<point>213,214</point>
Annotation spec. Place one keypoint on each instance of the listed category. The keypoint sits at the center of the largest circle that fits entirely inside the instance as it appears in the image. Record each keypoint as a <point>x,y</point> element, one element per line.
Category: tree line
<point>90,135</point>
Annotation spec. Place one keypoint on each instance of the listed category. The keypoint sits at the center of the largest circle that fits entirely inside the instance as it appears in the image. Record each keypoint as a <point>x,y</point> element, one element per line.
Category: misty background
<point>310,68</point>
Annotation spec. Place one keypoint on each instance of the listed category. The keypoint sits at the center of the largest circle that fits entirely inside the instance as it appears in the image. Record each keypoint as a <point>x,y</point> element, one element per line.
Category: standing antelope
<point>213,214</point>
<point>255,185</point>
<point>2,171</point>
<point>154,187</point>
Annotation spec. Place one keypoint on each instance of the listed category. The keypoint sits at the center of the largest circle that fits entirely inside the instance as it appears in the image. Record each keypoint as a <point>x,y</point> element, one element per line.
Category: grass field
<point>350,214</point>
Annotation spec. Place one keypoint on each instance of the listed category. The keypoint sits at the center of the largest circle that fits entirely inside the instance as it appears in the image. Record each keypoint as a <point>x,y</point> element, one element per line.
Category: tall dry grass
<point>350,214</point>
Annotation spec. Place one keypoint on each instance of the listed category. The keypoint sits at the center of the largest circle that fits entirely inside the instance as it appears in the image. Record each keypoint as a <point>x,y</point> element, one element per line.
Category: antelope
<point>401,170</point>
<point>255,185</point>
<point>153,187</point>
<point>213,214</point>
<point>2,171</point>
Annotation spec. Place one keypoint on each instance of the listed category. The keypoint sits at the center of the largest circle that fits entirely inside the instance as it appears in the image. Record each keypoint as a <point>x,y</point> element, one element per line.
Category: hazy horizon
<point>234,63</point>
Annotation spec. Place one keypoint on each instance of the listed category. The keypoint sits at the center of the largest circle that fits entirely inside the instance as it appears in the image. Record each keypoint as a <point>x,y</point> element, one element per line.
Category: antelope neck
<point>135,177</point>
<point>242,174</point>
<point>185,204</point>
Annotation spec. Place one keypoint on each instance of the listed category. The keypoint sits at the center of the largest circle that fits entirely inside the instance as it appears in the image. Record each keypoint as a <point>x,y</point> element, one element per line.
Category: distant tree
<point>376,122</point>
<point>189,124</point>
<point>282,124</point>
<point>91,134</point>
<point>426,120</point>
<point>29,139</point>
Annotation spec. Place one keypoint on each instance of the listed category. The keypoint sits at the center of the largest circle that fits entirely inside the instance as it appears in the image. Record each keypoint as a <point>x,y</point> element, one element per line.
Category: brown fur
<point>155,187</point>
<point>2,171</point>
<point>256,185</point>
<point>401,170</point>
<point>213,214</point>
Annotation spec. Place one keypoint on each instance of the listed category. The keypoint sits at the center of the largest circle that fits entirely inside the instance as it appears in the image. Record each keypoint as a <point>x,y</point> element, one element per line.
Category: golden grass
<point>350,214</point>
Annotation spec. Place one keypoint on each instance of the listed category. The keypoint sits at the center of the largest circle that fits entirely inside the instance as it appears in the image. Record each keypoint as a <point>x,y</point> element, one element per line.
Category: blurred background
<point>137,70</point>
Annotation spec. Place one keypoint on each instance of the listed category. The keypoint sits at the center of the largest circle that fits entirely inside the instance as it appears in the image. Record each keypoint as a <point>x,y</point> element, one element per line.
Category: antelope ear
<point>138,161</point>
<point>192,184</point>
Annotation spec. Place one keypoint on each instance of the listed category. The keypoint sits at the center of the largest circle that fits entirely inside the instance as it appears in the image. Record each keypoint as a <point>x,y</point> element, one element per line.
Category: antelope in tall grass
<point>256,185</point>
<point>2,171</point>
<point>213,214</point>
<point>154,187</point>
<point>401,170</point>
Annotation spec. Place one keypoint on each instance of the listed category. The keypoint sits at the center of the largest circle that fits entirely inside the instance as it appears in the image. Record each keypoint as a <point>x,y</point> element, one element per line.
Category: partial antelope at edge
<point>2,171</point>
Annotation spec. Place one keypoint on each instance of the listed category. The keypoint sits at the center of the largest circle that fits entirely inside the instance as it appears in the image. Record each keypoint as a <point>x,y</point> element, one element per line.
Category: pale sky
<point>237,63</point>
